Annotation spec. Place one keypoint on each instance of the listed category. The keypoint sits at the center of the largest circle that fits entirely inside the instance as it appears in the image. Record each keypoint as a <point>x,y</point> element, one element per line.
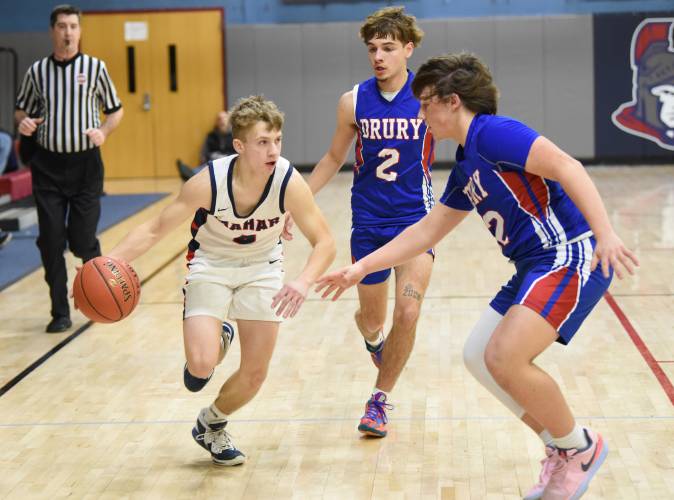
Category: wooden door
<point>186,101</point>
<point>129,151</point>
<point>179,85</point>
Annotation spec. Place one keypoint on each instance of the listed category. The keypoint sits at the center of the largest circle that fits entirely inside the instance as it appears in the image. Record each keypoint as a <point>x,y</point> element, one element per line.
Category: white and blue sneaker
<point>214,438</point>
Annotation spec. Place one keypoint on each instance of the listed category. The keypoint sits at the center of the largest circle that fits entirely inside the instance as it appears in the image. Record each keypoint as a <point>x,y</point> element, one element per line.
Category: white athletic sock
<point>574,439</point>
<point>547,438</point>
<point>215,415</point>
<point>376,390</point>
<point>379,340</point>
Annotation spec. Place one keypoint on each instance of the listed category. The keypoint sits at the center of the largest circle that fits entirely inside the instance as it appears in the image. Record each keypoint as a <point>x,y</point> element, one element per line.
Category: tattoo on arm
<point>409,291</point>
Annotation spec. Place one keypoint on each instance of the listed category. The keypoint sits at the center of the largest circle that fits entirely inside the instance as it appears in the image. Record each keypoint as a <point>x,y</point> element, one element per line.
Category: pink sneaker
<point>547,465</point>
<point>573,471</point>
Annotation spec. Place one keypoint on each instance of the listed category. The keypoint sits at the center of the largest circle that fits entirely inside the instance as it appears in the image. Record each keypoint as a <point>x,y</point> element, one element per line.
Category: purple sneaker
<point>374,421</point>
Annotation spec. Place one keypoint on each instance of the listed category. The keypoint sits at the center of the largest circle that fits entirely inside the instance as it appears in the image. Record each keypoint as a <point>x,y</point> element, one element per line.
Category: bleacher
<point>17,211</point>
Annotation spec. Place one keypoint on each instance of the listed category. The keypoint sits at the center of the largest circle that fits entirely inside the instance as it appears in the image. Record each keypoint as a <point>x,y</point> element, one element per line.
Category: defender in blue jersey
<point>547,216</point>
<point>391,190</point>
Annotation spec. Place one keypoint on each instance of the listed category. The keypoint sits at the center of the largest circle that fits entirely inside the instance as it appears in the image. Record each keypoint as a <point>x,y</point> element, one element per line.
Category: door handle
<point>146,102</point>
<point>173,68</point>
<point>131,68</point>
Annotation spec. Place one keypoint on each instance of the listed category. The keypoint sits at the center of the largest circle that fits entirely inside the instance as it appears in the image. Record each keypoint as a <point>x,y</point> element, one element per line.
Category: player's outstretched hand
<point>338,281</point>
<point>288,224</point>
<point>290,298</point>
<point>611,252</point>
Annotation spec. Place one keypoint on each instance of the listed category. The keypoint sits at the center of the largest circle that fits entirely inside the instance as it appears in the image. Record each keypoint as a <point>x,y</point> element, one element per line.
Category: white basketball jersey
<point>223,236</point>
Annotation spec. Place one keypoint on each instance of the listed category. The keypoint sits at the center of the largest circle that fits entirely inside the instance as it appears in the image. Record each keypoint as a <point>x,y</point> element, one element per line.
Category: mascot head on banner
<point>650,113</point>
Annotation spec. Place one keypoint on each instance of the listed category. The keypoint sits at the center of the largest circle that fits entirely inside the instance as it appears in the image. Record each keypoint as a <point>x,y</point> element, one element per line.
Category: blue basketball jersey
<point>526,213</point>
<point>394,152</point>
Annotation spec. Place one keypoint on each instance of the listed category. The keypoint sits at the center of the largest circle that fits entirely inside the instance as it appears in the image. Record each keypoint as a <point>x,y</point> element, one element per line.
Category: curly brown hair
<point>252,109</point>
<point>392,22</point>
<point>463,74</point>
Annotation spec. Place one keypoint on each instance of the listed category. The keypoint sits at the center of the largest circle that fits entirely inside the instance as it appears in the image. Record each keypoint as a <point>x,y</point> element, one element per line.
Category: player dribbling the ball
<point>235,262</point>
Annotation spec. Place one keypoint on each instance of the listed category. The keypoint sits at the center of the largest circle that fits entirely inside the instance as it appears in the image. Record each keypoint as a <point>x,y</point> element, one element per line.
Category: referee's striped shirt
<point>70,96</point>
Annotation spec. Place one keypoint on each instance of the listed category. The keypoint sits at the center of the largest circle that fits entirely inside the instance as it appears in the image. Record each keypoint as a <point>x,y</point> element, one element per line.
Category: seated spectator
<point>218,143</point>
<point>8,161</point>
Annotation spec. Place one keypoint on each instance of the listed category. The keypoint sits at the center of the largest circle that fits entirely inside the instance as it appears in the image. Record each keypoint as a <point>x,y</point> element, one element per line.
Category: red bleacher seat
<point>17,184</point>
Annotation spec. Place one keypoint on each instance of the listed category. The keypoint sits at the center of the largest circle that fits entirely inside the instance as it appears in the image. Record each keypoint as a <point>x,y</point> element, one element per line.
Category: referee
<point>60,101</point>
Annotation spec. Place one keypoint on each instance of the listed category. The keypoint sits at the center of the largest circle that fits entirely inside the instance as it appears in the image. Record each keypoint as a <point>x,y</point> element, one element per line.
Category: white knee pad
<point>473,358</point>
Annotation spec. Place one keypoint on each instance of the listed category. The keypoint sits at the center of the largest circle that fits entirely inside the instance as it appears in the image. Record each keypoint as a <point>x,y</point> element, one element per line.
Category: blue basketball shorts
<point>365,240</point>
<point>557,284</point>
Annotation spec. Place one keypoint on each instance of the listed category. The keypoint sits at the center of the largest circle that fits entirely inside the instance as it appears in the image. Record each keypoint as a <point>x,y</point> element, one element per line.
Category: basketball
<point>106,290</point>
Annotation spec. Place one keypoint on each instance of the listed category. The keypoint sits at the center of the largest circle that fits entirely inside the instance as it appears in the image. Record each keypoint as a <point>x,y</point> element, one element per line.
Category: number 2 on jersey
<point>393,158</point>
<point>499,226</point>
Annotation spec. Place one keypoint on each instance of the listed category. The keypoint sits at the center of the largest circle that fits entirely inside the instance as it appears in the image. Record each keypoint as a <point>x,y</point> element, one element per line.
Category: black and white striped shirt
<point>69,95</point>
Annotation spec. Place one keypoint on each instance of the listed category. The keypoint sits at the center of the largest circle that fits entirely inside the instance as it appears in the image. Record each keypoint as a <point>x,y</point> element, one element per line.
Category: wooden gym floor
<point>106,415</point>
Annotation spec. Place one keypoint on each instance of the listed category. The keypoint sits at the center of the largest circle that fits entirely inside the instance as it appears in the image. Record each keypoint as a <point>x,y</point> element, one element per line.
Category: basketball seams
<point>134,282</point>
<point>86,296</point>
<point>112,294</point>
<point>89,304</point>
<point>121,284</point>
<point>78,289</point>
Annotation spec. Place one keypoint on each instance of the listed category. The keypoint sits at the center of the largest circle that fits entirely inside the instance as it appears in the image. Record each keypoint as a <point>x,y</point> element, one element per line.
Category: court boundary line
<point>320,420</point>
<point>38,362</point>
<point>641,346</point>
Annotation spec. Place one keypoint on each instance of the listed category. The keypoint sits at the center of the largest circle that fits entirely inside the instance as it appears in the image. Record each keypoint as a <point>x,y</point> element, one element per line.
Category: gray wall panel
<point>29,48</point>
<point>435,42</point>
<point>470,35</point>
<point>359,64</point>
<point>241,61</point>
<point>279,76</point>
<point>325,55</point>
<point>518,68</point>
<point>569,84</point>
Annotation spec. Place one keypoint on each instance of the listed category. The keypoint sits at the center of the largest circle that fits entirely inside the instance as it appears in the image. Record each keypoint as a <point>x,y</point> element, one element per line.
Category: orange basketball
<point>106,290</point>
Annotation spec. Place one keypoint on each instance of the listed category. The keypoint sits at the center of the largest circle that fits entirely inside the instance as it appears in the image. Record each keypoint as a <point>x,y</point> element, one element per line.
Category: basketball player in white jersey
<point>235,262</point>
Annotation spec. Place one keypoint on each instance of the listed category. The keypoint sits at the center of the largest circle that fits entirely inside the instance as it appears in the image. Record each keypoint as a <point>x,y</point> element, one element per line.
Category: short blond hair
<point>252,109</point>
<point>392,22</point>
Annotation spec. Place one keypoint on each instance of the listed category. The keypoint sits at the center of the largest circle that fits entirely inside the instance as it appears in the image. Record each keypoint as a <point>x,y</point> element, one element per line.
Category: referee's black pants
<point>67,188</point>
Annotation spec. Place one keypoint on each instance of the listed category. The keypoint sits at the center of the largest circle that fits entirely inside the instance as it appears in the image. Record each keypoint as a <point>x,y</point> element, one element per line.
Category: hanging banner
<point>634,85</point>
